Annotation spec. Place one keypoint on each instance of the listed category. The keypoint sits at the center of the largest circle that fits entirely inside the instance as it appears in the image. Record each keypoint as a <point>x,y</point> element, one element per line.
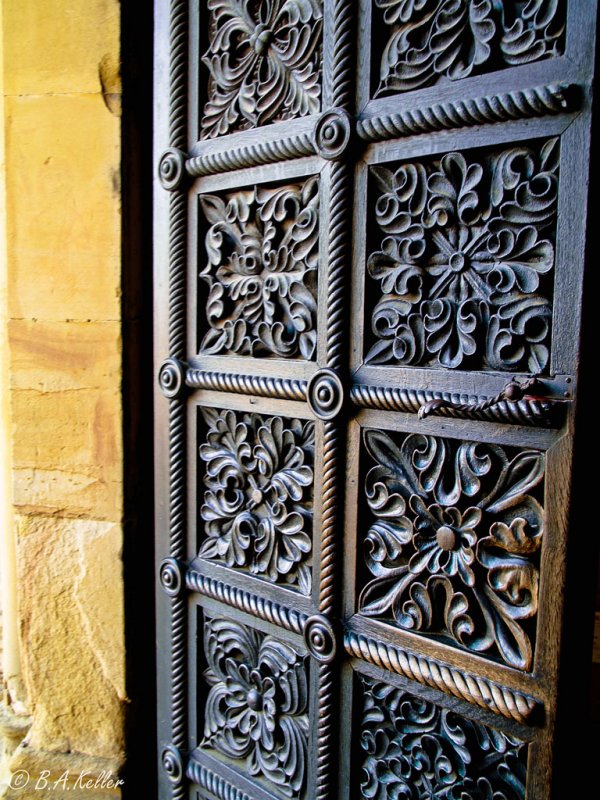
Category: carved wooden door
<point>370,228</point>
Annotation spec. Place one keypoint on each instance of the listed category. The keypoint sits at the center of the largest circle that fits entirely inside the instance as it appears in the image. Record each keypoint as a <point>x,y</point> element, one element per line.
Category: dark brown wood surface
<point>362,209</point>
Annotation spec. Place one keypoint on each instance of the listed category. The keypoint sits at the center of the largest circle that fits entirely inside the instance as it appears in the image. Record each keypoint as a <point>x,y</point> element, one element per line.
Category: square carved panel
<point>427,41</point>
<point>256,705</point>
<point>460,263</point>
<point>256,495</point>
<point>451,540</point>
<point>413,749</point>
<point>258,255</point>
<point>262,63</point>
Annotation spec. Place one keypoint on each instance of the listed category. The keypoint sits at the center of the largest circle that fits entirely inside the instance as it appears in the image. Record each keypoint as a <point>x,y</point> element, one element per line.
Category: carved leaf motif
<point>258,495</point>
<point>465,259</point>
<point>262,249</point>
<point>264,63</point>
<point>429,40</point>
<point>415,750</point>
<point>257,705</point>
<point>453,543</point>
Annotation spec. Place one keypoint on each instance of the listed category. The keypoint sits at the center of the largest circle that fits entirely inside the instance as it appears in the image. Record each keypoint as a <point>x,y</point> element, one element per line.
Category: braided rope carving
<point>178,671</point>
<point>177,248</point>
<point>329,521</point>
<point>448,679</point>
<point>268,610</point>
<point>251,155</point>
<point>176,479</point>
<point>341,55</point>
<point>325,733</point>
<point>178,73</point>
<point>522,104</point>
<point>538,413</point>
<point>215,784</point>
<point>246,384</point>
<point>338,263</point>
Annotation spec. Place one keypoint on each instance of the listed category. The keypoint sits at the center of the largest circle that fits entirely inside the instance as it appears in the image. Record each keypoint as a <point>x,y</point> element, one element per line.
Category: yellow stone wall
<point>63,268</point>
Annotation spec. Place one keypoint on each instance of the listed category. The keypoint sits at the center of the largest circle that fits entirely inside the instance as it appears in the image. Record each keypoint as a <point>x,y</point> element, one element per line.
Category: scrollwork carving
<point>455,39</point>
<point>416,750</point>
<point>453,546</point>
<point>257,707</point>
<point>464,263</point>
<point>258,495</point>
<point>264,61</point>
<point>262,247</point>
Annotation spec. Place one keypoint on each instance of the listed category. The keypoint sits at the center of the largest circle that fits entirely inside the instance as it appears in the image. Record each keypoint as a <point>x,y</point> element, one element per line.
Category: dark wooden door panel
<point>370,233</point>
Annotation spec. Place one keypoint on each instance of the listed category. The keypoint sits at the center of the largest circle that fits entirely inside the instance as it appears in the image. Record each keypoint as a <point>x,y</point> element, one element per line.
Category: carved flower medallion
<point>257,507</point>
<point>257,705</point>
<point>453,542</point>
<point>262,258</point>
<point>465,260</point>
<point>415,750</point>
<point>429,40</point>
<point>264,61</point>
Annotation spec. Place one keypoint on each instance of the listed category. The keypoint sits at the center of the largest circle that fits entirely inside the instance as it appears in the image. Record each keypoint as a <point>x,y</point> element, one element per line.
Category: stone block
<point>56,356</point>
<point>71,616</point>
<point>63,208</point>
<point>67,453</point>
<point>56,46</point>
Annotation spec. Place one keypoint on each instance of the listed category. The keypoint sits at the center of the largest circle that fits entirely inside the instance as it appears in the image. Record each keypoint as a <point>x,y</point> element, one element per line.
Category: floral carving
<point>465,262</point>
<point>453,545</point>
<point>429,40</point>
<point>262,248</point>
<point>264,61</point>
<point>257,705</point>
<point>257,508</point>
<point>415,750</point>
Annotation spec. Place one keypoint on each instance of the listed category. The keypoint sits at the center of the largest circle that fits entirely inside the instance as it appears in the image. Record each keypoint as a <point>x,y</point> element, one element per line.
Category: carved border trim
<point>282,388</point>
<point>251,155</point>
<point>232,596</point>
<point>178,35</point>
<point>341,55</point>
<point>519,104</point>
<point>472,688</point>
<point>538,413</point>
<point>327,728</point>
<point>214,783</point>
